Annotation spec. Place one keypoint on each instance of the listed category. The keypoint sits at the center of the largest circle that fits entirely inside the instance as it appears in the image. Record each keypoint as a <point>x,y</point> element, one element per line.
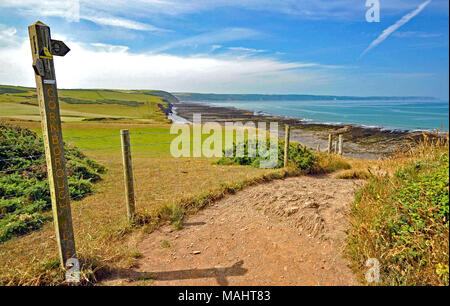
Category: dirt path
<point>286,232</point>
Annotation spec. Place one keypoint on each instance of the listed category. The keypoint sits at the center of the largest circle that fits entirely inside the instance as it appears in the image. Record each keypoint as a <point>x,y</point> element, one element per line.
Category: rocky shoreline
<point>359,142</point>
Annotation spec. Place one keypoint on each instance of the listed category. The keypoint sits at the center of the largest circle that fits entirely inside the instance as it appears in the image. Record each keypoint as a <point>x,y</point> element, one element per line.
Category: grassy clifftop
<point>89,104</point>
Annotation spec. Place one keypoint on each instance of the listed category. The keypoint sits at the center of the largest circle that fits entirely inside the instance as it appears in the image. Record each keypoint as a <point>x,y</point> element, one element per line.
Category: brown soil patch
<point>286,232</point>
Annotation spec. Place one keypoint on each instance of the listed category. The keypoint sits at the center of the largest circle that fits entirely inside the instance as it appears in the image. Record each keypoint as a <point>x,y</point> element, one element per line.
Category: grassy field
<point>400,217</point>
<point>166,189</point>
<point>78,105</point>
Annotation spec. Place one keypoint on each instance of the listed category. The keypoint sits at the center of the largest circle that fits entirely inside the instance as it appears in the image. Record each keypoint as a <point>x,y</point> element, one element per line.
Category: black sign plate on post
<point>59,48</point>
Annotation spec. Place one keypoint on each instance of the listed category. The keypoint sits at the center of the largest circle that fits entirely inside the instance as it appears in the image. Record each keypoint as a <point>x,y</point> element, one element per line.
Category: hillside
<point>257,97</point>
<point>89,104</point>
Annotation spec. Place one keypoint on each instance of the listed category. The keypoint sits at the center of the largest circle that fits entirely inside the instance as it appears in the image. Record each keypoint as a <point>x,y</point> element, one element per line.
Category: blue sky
<point>230,46</point>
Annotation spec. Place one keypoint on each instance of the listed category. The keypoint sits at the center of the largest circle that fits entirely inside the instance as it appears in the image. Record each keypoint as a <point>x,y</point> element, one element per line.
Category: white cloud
<point>105,66</point>
<point>121,22</point>
<point>246,50</point>
<point>7,35</point>
<point>306,9</point>
<point>111,13</point>
<point>215,47</point>
<point>221,36</point>
<point>74,10</point>
<point>110,48</point>
<point>405,19</point>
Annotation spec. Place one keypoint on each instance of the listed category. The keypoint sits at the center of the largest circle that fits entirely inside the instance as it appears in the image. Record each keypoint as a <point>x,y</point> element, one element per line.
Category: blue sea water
<point>397,115</point>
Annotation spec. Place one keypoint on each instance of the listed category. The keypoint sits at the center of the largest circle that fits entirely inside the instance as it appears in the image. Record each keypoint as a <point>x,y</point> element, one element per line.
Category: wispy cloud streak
<point>221,36</point>
<point>386,33</point>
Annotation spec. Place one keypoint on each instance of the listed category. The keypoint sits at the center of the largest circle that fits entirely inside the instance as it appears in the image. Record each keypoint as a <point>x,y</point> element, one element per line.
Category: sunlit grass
<point>162,183</point>
<point>401,216</point>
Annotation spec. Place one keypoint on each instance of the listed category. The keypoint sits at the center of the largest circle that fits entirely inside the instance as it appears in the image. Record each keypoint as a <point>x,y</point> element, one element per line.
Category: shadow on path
<point>220,274</point>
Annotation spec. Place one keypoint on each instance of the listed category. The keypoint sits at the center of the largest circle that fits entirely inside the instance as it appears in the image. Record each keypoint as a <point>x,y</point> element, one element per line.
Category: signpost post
<point>43,49</point>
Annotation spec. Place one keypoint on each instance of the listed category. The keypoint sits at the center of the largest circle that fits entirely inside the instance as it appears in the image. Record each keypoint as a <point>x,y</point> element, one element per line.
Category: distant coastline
<point>361,141</point>
<point>199,97</point>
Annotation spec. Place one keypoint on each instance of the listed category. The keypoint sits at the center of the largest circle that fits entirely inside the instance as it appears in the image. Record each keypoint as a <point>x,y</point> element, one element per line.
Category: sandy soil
<point>286,232</point>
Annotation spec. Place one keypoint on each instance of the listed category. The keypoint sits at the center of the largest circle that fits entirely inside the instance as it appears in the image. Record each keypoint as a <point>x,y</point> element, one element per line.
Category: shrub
<point>300,157</point>
<point>24,188</point>
<point>403,221</point>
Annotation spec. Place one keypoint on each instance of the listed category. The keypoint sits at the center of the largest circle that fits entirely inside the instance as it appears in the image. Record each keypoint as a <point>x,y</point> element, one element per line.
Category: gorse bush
<point>299,156</point>
<point>403,221</point>
<point>24,188</point>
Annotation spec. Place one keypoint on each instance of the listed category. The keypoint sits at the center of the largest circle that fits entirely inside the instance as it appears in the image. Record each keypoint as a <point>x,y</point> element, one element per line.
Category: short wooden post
<point>286,145</point>
<point>41,49</point>
<point>341,144</point>
<point>335,147</point>
<point>330,143</point>
<point>318,148</point>
<point>128,173</point>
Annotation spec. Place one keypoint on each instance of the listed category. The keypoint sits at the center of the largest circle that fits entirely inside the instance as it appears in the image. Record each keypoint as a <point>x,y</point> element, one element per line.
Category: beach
<point>359,141</point>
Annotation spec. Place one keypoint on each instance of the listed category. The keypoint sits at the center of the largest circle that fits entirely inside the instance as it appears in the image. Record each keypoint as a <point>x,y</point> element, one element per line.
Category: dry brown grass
<point>166,190</point>
<point>353,175</point>
<point>405,235</point>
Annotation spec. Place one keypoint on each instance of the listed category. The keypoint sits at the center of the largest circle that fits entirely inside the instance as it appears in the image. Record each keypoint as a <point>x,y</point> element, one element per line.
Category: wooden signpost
<point>43,49</point>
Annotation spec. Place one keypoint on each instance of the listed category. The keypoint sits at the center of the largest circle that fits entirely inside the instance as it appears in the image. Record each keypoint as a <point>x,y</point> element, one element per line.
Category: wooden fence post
<point>43,48</point>
<point>128,174</point>
<point>286,145</point>
<point>335,147</point>
<point>330,143</point>
<point>341,144</point>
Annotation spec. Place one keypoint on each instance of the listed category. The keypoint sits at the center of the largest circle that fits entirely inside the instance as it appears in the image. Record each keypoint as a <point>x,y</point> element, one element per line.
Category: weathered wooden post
<point>128,174</point>
<point>341,144</point>
<point>330,143</point>
<point>43,48</point>
<point>318,148</point>
<point>335,147</point>
<point>286,145</point>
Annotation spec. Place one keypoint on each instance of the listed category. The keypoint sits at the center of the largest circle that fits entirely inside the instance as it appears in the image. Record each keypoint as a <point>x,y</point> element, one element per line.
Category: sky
<point>237,46</point>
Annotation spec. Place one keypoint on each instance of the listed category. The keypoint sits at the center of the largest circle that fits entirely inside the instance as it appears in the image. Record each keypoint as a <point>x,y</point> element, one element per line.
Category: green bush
<point>19,224</point>
<point>24,188</point>
<point>299,156</point>
<point>404,222</point>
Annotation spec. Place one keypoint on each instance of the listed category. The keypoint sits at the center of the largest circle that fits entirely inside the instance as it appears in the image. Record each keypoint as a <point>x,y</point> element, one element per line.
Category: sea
<point>389,115</point>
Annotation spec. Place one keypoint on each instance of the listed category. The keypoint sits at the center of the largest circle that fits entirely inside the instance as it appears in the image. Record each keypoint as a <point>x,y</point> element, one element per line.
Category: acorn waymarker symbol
<point>59,48</point>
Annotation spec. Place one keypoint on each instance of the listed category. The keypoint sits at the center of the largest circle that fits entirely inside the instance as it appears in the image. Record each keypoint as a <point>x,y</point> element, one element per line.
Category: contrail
<point>395,27</point>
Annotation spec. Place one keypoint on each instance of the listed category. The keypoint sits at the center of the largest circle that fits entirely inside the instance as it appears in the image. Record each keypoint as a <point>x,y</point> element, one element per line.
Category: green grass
<point>167,189</point>
<point>24,189</point>
<point>21,103</point>
<point>403,220</point>
<point>11,90</point>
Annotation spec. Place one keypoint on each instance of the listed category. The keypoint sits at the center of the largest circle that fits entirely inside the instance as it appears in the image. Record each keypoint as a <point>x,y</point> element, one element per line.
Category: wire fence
<point>78,142</point>
<point>106,143</point>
